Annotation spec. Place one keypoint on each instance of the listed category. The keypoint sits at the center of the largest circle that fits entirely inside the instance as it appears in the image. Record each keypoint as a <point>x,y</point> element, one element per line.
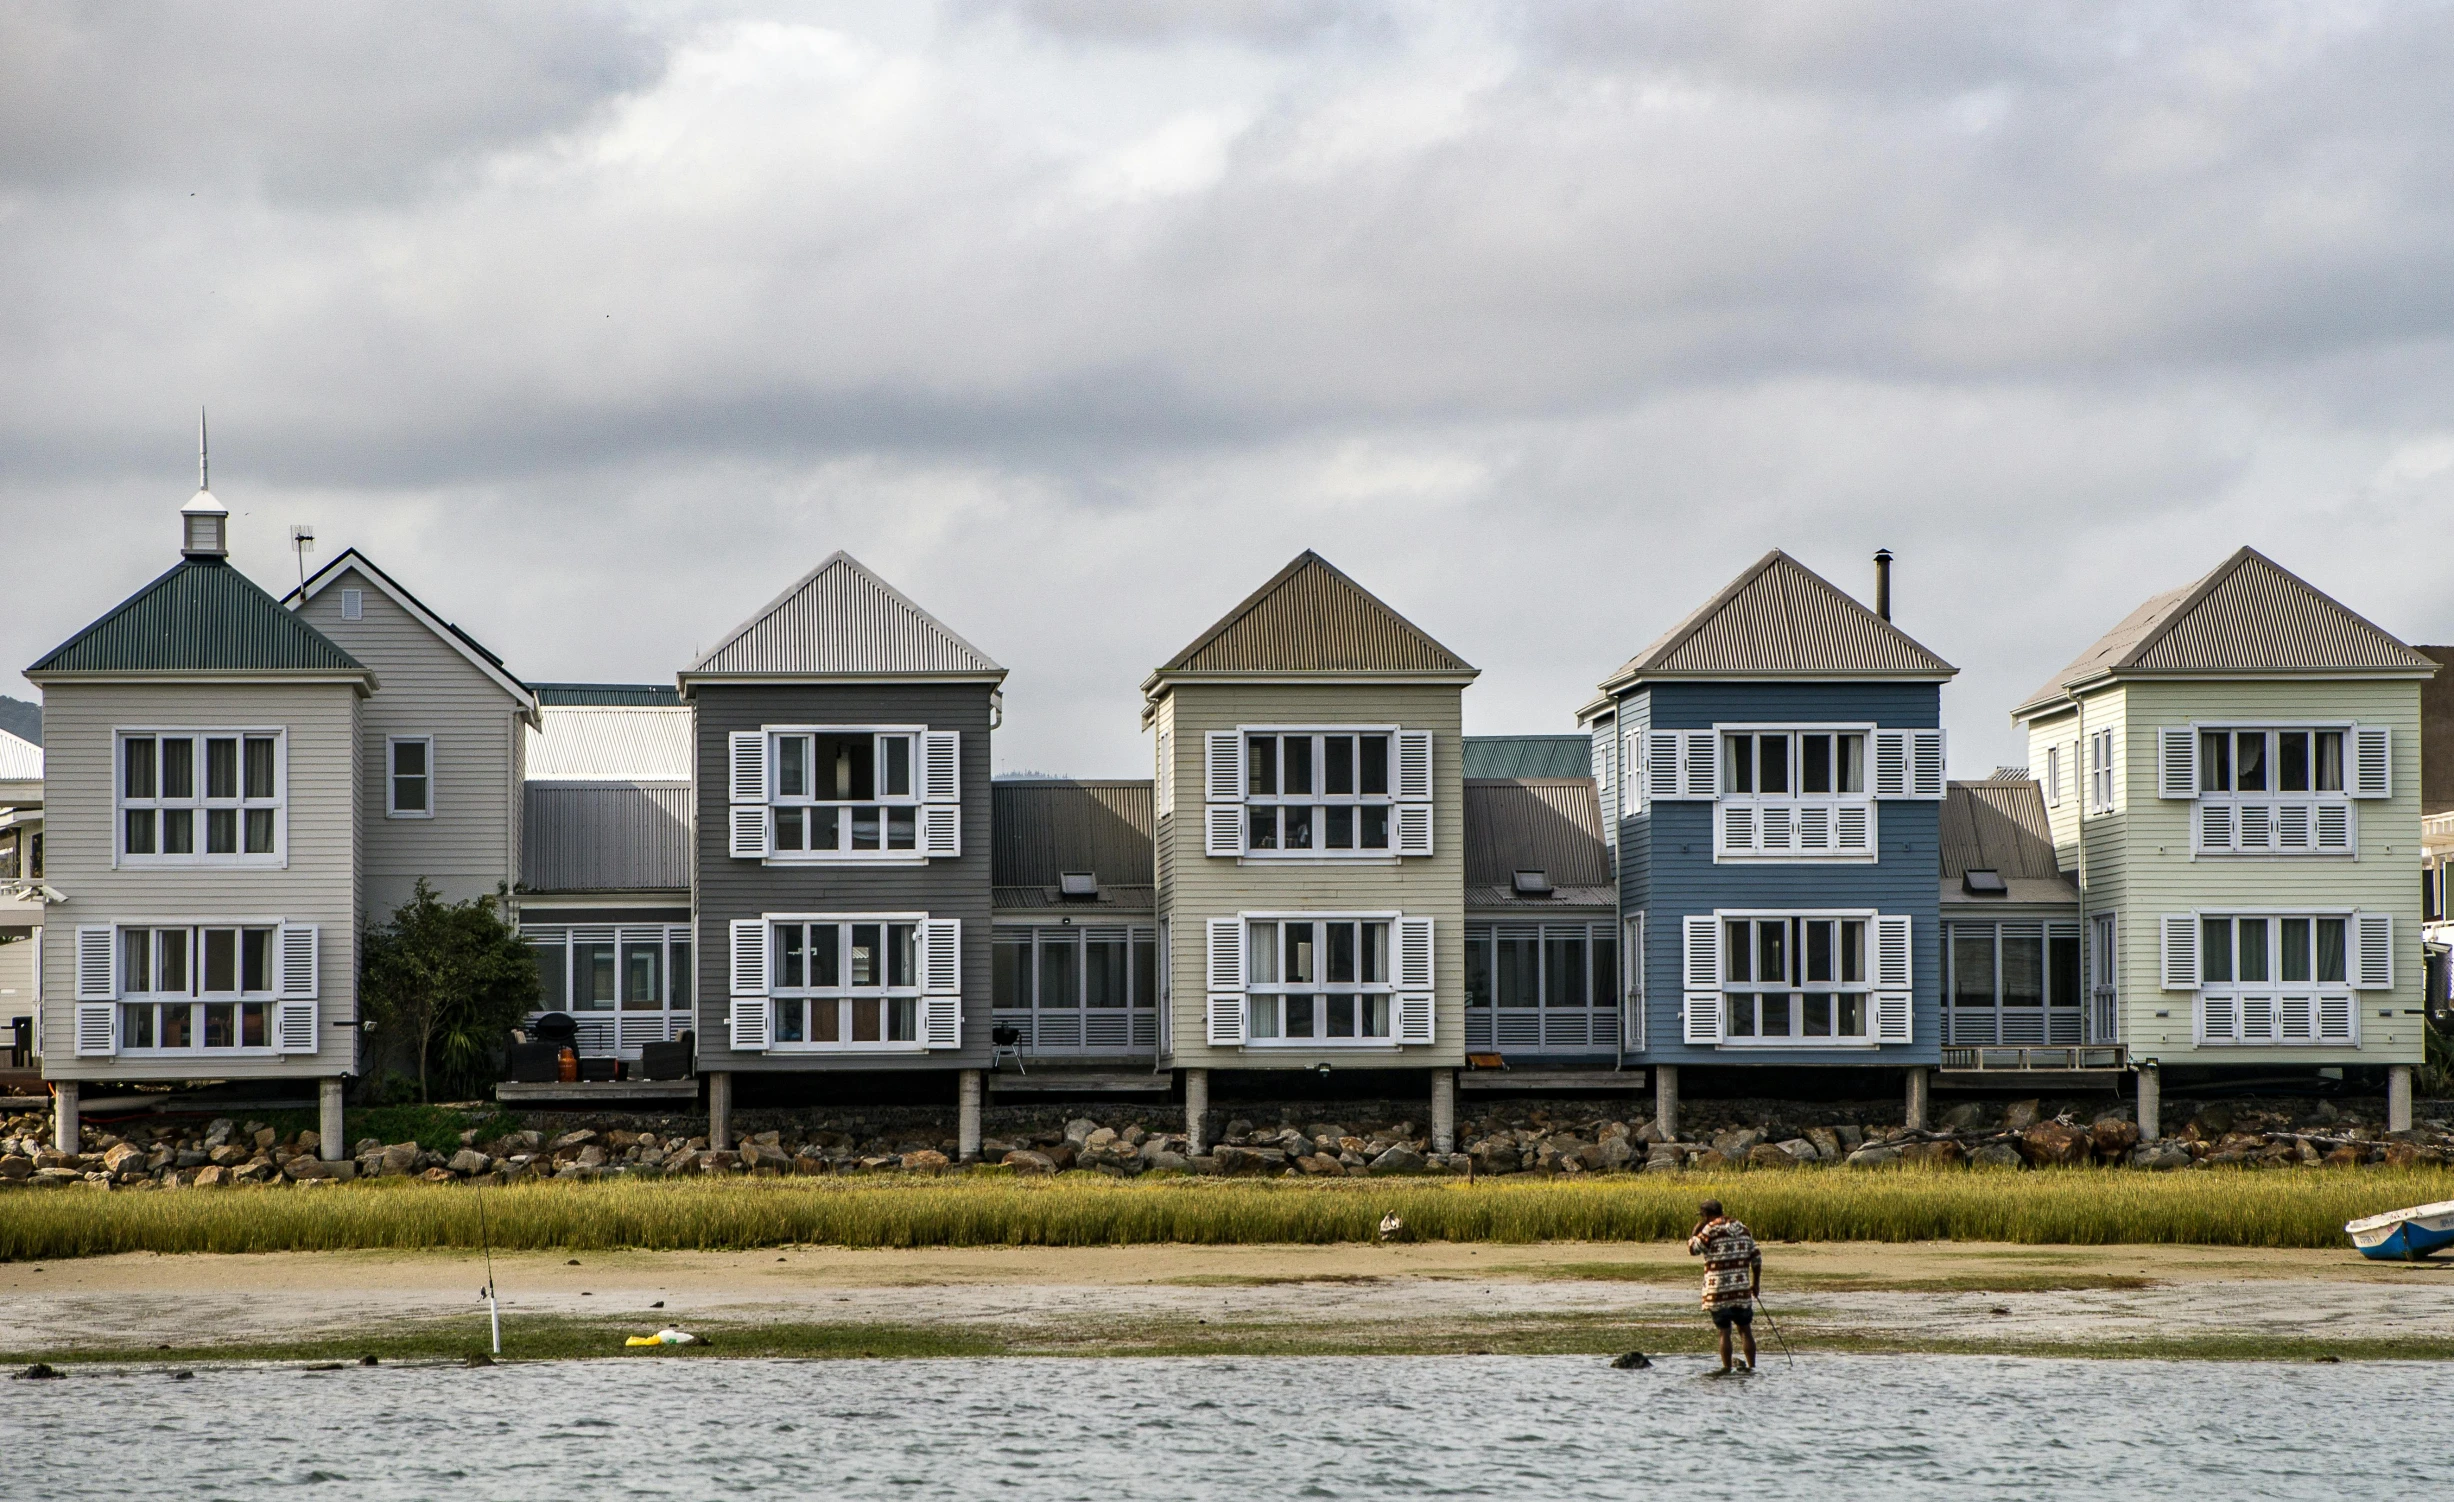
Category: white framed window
<point>201,797</point>
<point>856,794</point>
<point>846,983</point>
<point>409,777</point>
<point>218,986</point>
<point>2104,978</point>
<point>2014,983</point>
<point>2052,780</point>
<point>1796,978</point>
<point>1794,793</point>
<point>1165,790</point>
<point>2281,978</point>
<point>1319,980</point>
<point>1318,792</point>
<point>2100,771</point>
<point>625,986</point>
<point>2273,789</point>
<point>1086,987</point>
<point>353,604</point>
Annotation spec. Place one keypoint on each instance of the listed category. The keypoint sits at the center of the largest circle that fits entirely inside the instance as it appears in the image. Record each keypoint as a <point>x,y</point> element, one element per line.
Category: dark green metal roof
<point>605,695</point>
<point>202,617</point>
<point>1528,756</point>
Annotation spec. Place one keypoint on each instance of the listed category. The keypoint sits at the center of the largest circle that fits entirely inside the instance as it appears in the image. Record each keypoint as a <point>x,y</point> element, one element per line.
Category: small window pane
<point>178,768</point>
<point>1060,983</point>
<point>1261,955</point>
<point>1302,957</point>
<point>2023,967</point>
<point>868,832</point>
<point>792,766</point>
<point>178,832</point>
<point>1338,769</point>
<point>252,1021</point>
<point>1298,825</point>
<point>1103,972</point>
<point>1376,954</point>
<point>1300,1017</point>
<point>901,958</point>
<point>1375,757</point>
<point>903,828</point>
<point>260,766</point>
<point>2215,950</point>
<point>789,828</point>
<point>678,990</point>
<point>2293,944</point>
<point>1742,1015</point>
<point>1972,964</point>
<point>2330,761</point>
<point>138,776</point>
<point>1261,1017</point>
<point>1261,765</point>
<point>1009,974</point>
<point>136,960</point>
<point>1738,950</point>
<point>1261,829</point>
<point>1520,972</point>
<point>1853,951</point>
<point>867,968</point>
<point>896,775</point>
<point>2292,761</point>
<point>643,976</point>
<point>826,956</point>
<point>260,831</point>
<point>592,968</point>
<point>1563,980</point>
<point>1341,953</point>
<point>221,960</point>
<point>1742,764</point>
<point>222,831</point>
<point>2330,950</point>
<point>256,959</point>
<point>2253,962</point>
<point>1820,960</point>
<point>170,960</point>
<point>1299,764</point>
<point>2214,761</point>
<point>140,831</point>
<point>1815,763</point>
<point>1375,826</point>
<point>2250,760</point>
<point>221,767</point>
<point>553,975</point>
<point>1852,750</point>
<point>1773,754</point>
<point>1338,828</point>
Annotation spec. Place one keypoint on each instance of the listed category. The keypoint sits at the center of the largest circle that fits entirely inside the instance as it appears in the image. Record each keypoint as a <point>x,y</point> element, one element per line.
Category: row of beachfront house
<point>795,855</point>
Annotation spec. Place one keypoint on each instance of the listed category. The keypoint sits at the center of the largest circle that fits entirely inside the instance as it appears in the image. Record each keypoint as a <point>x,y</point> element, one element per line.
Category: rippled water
<point>1551,1427</point>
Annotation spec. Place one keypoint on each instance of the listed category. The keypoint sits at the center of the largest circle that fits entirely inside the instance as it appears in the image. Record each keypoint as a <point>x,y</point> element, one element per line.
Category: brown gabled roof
<point>2000,825</point>
<point>1781,619</point>
<point>1311,618</point>
<point>2250,615</point>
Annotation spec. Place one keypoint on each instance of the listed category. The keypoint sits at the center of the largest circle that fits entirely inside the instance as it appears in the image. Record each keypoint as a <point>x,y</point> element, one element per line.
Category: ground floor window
<point>1317,979</point>
<point>1542,986</point>
<point>1794,977</point>
<point>2275,979</point>
<point>1087,987</point>
<point>625,985</point>
<point>2014,983</point>
<point>840,983</point>
<point>196,988</point>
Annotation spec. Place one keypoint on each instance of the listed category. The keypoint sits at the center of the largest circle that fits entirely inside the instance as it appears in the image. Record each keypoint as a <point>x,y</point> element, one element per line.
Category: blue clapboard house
<point>1775,766</point>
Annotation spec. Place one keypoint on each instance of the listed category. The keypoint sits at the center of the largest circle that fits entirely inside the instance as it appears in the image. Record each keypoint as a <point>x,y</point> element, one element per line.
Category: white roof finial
<point>204,479</point>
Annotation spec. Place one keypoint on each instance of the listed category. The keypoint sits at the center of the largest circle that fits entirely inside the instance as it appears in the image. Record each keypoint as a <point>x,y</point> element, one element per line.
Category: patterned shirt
<point>1731,1262</point>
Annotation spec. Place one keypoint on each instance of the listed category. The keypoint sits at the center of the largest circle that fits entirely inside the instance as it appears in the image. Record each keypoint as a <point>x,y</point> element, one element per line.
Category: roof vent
<point>1533,884</point>
<point>1984,881</point>
<point>1078,886</point>
<point>204,523</point>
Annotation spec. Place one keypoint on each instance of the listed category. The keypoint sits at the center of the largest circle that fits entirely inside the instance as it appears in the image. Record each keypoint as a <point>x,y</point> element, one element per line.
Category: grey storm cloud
<point>1076,319</point>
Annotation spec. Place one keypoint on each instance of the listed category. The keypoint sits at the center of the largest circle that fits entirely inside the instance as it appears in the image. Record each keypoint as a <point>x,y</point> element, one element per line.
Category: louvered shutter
<point>1890,755</point>
<point>1414,829</point>
<point>1702,965</point>
<point>2334,826</point>
<point>1166,786</point>
<point>1926,763</point>
<point>1703,1015</point>
<point>2373,951</point>
<point>1894,958</point>
<point>2372,769</point>
<point>1700,763</point>
<point>941,983</point>
<point>1414,766</point>
<point>1413,973</point>
<point>2338,1020</point>
<point>1605,783</point>
<point>1894,1017</point>
<point>1632,982</point>
<point>2176,762</point>
<point>941,829</point>
<point>294,1027</point>
<point>749,766</point>
<point>97,962</point>
<point>2219,1019</point>
<point>1223,829</point>
<point>2215,826</point>
<point>752,825</point>
<point>1223,794</point>
<point>97,1029</point>
<point>1854,828</point>
<point>1633,772</point>
<point>1226,978</point>
<point>753,1013</point>
<point>297,978</point>
<point>2180,951</point>
<point>1662,751</point>
<point>941,766</point>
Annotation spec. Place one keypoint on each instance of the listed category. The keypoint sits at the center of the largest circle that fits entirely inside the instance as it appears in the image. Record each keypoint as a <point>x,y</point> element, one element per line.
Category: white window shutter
<point>297,979</point>
<point>2334,827</point>
<point>1223,829</point>
<point>941,956</point>
<point>2180,951</point>
<point>941,1022</point>
<point>1414,1018</point>
<point>2338,1020</point>
<point>2218,1019</point>
<point>752,1018</point>
<point>1891,763</point>
<point>941,766</point>
<point>2176,761</point>
<point>1165,784</point>
<point>1894,1012</point>
<point>1632,982</point>
<point>1662,749</point>
<point>1632,768</point>
<point>1605,784</point>
<point>1703,1016</point>
<point>1414,766</point>
<point>1703,934</point>
<point>1223,768</point>
<point>97,962</point>
<point>1854,827</point>
<point>2372,769</point>
<point>941,829</point>
<point>1414,954</point>
<point>1894,968</point>
<point>1700,767</point>
<point>1227,1019</point>
<point>753,830</point>
<point>1414,829</point>
<point>749,957</point>
<point>97,1029</point>
<point>1226,954</point>
<point>2373,951</point>
<point>749,766</point>
<point>1926,763</point>
<point>294,1027</point>
<point>2051,781</point>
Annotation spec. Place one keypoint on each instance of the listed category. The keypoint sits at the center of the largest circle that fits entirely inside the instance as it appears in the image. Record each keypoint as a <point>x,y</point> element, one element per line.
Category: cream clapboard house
<point>1310,831</point>
<point>202,781</point>
<point>2233,776</point>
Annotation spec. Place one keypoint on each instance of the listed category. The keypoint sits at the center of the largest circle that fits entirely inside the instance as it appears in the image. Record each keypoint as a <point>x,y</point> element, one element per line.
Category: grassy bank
<point>2081,1207</point>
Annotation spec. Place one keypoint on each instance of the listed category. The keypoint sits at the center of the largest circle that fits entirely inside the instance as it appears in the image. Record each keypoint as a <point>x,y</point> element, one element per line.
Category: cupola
<point>204,523</point>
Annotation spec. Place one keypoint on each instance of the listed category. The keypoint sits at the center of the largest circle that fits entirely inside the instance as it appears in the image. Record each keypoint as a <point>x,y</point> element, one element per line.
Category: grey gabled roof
<point>1311,618</point>
<point>2250,615</point>
<point>2000,824</point>
<point>1041,828</point>
<point>203,616</point>
<point>606,695</point>
<point>1527,756</point>
<point>1781,619</point>
<point>842,621</point>
<point>1547,824</point>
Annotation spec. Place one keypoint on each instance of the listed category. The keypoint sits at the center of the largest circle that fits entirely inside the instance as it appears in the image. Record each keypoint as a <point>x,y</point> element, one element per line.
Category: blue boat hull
<point>2408,1242</point>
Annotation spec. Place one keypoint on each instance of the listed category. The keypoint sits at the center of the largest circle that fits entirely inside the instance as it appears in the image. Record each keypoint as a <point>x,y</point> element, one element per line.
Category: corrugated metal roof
<point>20,760</point>
<point>2249,615</point>
<point>1781,618</point>
<point>605,837</point>
<point>1547,824</point>
<point>1528,756</point>
<point>2437,734</point>
<point>203,616</point>
<point>841,619</point>
<point>1997,825</point>
<point>1112,902</point>
<point>590,743</point>
<point>1040,830</point>
<point>1486,899</point>
<point>603,695</point>
<point>1311,618</point>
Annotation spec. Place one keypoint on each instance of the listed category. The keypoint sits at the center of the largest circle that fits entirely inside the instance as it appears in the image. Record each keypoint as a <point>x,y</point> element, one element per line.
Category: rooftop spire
<point>204,474</point>
<point>204,523</point>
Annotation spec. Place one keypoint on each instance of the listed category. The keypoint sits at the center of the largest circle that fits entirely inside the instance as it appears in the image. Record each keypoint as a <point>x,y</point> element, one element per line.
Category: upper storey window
<point>856,794</point>
<point>1787,793</point>
<point>2274,789</point>
<point>1319,793</point>
<point>201,797</point>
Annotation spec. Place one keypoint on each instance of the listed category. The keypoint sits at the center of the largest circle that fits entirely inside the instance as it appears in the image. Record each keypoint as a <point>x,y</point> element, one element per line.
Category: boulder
<point>580,1138</point>
<point>1078,1130</point>
<point>1967,1116</point>
<point>1801,1149</point>
<point>469,1161</point>
<point>1765,1155</point>
<point>305,1167</point>
<point>1399,1159</point>
<point>2160,1155</point>
<point>229,1155</point>
<point>126,1157</point>
<point>1104,1137</point>
<point>2214,1119</point>
<point>1238,1160</point>
<point>2409,1154</point>
<point>1173,1162</point>
<point>929,1158</point>
<point>2020,1115</point>
<point>1615,1153</point>
<point>1023,1160</point>
<point>2342,1155</point>
<point>2113,1137</point>
<point>212,1177</point>
<point>1997,1155</point>
<point>1827,1144</point>
<point>398,1158</point>
<point>438,1176</point>
<point>1941,1153</point>
<point>2052,1144</point>
<point>1709,1159</point>
<point>1321,1165</point>
<point>16,1166</point>
<point>1874,1155</point>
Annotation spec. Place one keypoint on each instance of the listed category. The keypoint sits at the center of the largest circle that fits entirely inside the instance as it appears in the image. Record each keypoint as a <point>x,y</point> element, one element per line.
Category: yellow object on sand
<point>643,1340</point>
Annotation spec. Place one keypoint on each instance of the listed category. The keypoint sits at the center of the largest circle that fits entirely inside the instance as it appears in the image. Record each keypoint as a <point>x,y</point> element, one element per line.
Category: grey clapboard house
<point>841,886</point>
<point>202,782</point>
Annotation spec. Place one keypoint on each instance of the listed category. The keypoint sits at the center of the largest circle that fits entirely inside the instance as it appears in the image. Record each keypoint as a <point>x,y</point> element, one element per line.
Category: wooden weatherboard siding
<point>320,884</point>
<point>2139,862</point>
<point>729,888</point>
<point>427,687</point>
<point>1197,887</point>
<point>1667,871</point>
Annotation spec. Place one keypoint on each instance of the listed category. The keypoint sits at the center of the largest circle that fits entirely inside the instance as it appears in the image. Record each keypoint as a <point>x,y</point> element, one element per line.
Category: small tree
<point>451,979</point>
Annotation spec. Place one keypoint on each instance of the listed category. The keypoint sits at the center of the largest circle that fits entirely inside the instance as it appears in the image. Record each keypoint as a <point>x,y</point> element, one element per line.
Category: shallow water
<point>1550,1427</point>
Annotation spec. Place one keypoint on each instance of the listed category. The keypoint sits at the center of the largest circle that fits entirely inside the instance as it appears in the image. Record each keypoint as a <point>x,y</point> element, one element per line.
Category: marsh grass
<point>2087,1207</point>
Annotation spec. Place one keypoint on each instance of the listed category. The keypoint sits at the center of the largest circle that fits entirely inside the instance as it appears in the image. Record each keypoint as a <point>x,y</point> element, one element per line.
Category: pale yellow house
<point>2232,777</point>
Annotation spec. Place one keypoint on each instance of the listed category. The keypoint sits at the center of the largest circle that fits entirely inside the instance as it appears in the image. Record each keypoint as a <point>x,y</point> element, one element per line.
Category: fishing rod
<point>1776,1329</point>
<point>494,1312</point>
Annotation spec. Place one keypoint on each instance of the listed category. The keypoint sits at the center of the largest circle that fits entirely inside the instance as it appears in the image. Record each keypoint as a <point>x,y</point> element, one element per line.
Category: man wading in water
<point>1733,1272</point>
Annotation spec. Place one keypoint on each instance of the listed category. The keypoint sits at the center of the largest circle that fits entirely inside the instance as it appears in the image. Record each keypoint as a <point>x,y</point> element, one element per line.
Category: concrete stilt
<point>1444,1111</point>
<point>2151,1102</point>
<point>328,1125</point>
<point>967,1115</point>
<point>2398,1098</point>
<point>1914,1108</point>
<point>1196,1111</point>
<point>64,1109</point>
<point>1666,1101</point>
<point>720,1110</point>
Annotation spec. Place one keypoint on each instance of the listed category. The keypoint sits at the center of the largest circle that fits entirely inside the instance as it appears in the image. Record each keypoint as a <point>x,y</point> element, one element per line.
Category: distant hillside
<point>22,720</point>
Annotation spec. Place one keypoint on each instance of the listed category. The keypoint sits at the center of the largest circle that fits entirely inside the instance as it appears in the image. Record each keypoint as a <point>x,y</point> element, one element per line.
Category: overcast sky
<point>1078,318</point>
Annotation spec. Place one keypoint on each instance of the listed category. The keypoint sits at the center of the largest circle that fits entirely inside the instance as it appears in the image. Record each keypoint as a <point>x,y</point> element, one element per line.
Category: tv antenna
<point>302,542</point>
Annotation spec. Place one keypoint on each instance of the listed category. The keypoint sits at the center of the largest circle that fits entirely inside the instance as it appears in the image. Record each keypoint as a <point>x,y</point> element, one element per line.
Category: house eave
<point>2116,677</point>
<point>364,682</point>
<point>1613,687</point>
<point>689,681</point>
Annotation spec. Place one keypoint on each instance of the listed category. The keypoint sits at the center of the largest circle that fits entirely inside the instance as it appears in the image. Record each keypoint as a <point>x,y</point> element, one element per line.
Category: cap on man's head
<point>1709,1207</point>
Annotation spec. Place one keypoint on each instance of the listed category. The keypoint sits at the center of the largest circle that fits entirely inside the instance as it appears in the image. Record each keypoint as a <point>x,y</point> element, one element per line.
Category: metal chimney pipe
<point>1883,583</point>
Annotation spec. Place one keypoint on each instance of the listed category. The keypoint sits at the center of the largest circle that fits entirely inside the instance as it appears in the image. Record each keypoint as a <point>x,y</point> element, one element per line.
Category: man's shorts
<point>1726,1315</point>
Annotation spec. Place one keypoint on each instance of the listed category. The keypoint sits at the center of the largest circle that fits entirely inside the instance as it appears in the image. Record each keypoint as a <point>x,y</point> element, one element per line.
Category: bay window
<point>1317,980</point>
<point>200,797</point>
<point>2269,790</point>
<point>845,984</point>
<point>845,792</point>
<point>207,987</point>
<point>1317,793</point>
<point>1795,977</point>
